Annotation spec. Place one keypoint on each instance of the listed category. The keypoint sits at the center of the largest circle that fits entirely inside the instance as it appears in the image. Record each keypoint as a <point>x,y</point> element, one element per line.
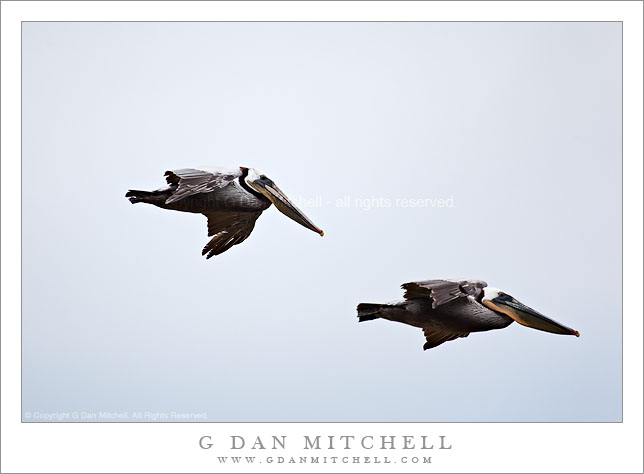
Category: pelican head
<point>264,185</point>
<point>501,302</point>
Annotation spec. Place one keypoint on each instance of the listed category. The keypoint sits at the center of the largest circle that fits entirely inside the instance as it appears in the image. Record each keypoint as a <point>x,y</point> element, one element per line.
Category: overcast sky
<point>516,127</point>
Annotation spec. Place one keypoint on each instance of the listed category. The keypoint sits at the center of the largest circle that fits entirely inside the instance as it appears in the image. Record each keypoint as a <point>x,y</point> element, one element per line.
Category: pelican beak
<point>527,316</point>
<point>269,189</point>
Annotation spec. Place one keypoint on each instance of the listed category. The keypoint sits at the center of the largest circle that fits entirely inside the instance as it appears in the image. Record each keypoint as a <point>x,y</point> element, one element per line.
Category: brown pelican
<point>231,199</point>
<point>448,309</point>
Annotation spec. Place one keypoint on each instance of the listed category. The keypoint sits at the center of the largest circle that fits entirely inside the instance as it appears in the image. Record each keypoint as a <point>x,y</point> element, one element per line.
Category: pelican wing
<point>228,228</point>
<point>442,291</point>
<point>191,181</point>
<point>436,338</point>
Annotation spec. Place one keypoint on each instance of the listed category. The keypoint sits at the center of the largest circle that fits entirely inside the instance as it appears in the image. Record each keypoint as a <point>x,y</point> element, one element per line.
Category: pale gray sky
<point>518,124</point>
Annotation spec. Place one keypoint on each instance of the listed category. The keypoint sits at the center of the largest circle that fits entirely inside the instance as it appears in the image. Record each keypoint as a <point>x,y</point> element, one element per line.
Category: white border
<point>481,447</point>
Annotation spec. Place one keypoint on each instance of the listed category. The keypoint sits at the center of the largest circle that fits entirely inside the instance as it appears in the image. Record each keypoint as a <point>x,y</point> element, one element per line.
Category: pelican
<point>231,199</point>
<point>449,309</point>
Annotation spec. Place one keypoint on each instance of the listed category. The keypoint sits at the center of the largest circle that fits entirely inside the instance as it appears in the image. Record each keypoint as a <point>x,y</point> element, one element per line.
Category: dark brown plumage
<point>451,309</point>
<point>231,199</point>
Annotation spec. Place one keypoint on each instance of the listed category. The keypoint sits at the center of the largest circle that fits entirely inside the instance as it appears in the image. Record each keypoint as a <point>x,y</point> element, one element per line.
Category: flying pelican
<point>231,199</point>
<point>449,309</point>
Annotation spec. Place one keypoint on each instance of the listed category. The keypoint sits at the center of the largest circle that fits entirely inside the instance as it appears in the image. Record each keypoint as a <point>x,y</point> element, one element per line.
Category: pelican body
<point>231,199</point>
<point>448,309</point>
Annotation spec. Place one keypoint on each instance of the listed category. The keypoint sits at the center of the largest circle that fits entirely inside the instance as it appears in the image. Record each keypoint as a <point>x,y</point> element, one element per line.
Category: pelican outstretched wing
<point>191,181</point>
<point>228,228</point>
<point>443,291</point>
<point>436,338</point>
